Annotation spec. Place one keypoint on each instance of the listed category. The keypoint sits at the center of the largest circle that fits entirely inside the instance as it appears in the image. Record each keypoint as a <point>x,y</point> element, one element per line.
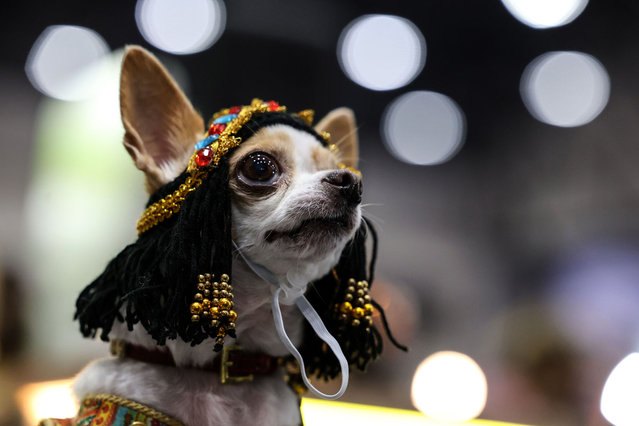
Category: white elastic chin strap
<point>293,293</point>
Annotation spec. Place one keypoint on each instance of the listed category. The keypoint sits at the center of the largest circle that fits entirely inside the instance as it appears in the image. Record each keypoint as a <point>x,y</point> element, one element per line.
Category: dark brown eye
<point>258,168</point>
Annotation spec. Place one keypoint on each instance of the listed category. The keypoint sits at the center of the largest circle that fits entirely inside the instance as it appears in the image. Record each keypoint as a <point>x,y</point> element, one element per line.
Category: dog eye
<point>258,168</point>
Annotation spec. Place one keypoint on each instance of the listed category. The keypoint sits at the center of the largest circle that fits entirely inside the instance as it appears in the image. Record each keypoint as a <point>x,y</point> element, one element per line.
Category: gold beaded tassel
<point>356,310</point>
<point>214,304</point>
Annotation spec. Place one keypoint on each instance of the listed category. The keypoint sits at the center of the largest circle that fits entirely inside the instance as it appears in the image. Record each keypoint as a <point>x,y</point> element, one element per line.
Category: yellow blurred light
<point>621,393</point>
<point>316,412</point>
<point>449,387</point>
<point>54,399</point>
<point>42,400</point>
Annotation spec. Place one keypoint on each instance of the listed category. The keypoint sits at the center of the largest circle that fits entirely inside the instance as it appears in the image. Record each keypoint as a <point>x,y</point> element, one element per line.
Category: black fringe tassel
<point>152,281</point>
<point>360,346</point>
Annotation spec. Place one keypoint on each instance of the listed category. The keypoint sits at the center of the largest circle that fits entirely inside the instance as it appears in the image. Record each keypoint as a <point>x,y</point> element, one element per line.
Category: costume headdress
<point>176,279</point>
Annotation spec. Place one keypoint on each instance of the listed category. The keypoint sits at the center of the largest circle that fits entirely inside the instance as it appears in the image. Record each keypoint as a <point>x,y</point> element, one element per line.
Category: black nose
<point>348,183</point>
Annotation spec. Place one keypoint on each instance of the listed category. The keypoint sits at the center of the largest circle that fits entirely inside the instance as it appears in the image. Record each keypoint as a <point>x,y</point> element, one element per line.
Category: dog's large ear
<point>161,126</point>
<point>340,123</point>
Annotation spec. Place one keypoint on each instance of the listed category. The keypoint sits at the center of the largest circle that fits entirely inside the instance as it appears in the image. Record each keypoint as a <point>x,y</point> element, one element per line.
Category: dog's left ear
<point>340,123</point>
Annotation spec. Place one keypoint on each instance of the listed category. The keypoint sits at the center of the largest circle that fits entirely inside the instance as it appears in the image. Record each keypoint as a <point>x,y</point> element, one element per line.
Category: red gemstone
<point>204,156</point>
<point>216,129</point>
<point>272,105</point>
<point>235,110</point>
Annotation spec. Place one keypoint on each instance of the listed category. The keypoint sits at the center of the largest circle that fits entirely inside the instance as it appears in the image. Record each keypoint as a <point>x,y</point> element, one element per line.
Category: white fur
<point>194,396</point>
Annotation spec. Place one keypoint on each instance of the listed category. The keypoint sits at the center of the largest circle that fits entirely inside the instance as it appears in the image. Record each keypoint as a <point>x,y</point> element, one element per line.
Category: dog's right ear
<point>161,126</point>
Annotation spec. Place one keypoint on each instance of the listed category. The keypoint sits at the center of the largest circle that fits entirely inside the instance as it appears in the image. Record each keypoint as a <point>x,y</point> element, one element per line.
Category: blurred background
<point>499,152</point>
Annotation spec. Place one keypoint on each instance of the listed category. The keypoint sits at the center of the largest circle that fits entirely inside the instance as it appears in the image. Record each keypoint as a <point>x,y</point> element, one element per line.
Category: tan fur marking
<point>323,158</point>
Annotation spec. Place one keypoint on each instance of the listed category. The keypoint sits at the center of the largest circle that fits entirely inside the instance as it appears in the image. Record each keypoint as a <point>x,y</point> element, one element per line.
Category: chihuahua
<point>295,207</point>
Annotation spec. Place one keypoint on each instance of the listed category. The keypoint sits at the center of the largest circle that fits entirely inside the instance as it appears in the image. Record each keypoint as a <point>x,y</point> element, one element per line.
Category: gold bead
<point>195,318</point>
<point>345,307</point>
<point>207,284</point>
<point>229,288</point>
<point>206,303</point>
<point>207,276</point>
<point>224,278</point>
<point>360,284</point>
<point>368,308</point>
<point>355,323</point>
<point>198,297</point>
<point>207,293</point>
<point>224,313</point>
<point>351,281</point>
<point>343,317</point>
<point>196,308</point>
<point>216,293</point>
<point>232,315</point>
<point>365,283</point>
<point>369,321</point>
<point>216,285</point>
<point>360,293</point>
<point>350,289</point>
<point>231,326</point>
<point>225,303</point>
<point>224,286</point>
<point>360,301</point>
<point>200,278</point>
<point>219,341</point>
<point>215,311</point>
<point>216,300</point>
<point>224,293</point>
<point>221,332</point>
<point>367,298</point>
<point>200,286</point>
<point>215,323</point>
<point>206,314</point>
<point>358,312</point>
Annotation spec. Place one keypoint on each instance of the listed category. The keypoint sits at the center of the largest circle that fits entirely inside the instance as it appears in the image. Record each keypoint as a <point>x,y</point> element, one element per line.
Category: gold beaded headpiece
<point>220,138</point>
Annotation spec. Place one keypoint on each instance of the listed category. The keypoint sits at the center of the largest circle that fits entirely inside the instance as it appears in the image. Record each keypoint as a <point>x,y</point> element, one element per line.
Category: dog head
<point>291,201</point>
<point>288,197</point>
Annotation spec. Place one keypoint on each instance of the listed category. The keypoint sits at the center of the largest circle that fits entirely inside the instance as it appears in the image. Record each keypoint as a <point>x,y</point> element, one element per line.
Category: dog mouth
<point>327,226</point>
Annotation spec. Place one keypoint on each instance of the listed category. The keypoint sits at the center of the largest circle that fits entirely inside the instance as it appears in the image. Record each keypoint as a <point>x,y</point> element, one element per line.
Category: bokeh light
<point>565,89</point>
<point>59,58</point>
<point>594,297</point>
<point>37,401</point>
<point>450,387</point>
<point>381,52</point>
<point>423,127</point>
<point>621,392</point>
<point>545,13</point>
<point>183,27</point>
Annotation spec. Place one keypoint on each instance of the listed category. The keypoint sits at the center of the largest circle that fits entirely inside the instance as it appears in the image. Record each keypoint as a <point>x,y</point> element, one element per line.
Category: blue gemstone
<point>225,118</point>
<point>206,142</point>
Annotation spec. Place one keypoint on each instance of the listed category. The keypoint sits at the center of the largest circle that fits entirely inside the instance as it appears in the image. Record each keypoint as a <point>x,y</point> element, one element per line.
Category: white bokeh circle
<point>423,128</point>
<point>545,13</point>
<point>60,56</point>
<point>565,89</point>
<point>381,52</point>
<point>181,27</point>
<point>449,387</point>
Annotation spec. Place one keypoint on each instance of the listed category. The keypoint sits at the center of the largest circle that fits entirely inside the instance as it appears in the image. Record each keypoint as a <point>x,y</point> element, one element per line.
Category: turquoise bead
<point>206,142</point>
<point>225,118</point>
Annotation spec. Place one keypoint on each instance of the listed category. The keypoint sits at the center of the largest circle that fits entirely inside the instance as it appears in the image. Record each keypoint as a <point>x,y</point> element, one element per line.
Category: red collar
<point>233,364</point>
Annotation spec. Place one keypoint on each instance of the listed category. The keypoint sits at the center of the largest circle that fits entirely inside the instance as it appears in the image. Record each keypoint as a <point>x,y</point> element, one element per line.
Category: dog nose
<point>348,183</point>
